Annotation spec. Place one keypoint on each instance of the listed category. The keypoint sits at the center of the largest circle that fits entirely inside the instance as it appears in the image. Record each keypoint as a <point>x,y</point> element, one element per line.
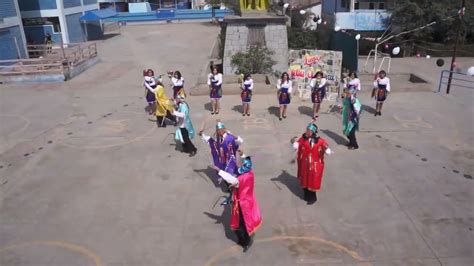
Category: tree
<point>410,14</point>
<point>256,60</point>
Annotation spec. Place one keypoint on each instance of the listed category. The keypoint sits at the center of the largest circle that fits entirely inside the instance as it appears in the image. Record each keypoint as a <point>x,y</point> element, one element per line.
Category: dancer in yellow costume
<point>164,106</point>
<point>249,4</point>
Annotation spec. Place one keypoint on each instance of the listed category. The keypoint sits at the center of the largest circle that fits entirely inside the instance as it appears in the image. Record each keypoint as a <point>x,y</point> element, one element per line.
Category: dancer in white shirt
<point>150,85</point>
<point>284,86</point>
<point>178,83</point>
<point>246,94</point>
<point>214,80</point>
<point>318,91</point>
<point>380,91</point>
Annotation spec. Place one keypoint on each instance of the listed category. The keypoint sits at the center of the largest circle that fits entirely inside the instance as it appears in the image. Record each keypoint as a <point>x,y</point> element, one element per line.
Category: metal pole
<point>375,56</point>
<point>62,45</point>
<point>17,48</point>
<point>453,59</point>
<point>357,57</point>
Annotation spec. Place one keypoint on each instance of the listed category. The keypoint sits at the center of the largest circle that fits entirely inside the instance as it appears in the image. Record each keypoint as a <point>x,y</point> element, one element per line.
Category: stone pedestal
<point>241,32</point>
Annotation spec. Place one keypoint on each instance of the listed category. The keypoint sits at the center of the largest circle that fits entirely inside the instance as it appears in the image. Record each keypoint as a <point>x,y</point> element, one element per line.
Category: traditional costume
<point>310,159</point>
<point>351,109</point>
<point>382,86</point>
<point>215,83</point>
<point>246,94</point>
<point>318,89</point>
<point>284,92</point>
<point>380,91</point>
<point>245,215</point>
<point>223,149</point>
<point>164,106</point>
<point>150,85</point>
<point>178,87</point>
<point>185,131</point>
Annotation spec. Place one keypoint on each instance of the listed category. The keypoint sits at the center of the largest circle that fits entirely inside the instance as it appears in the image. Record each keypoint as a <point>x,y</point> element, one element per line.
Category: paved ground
<point>87,179</point>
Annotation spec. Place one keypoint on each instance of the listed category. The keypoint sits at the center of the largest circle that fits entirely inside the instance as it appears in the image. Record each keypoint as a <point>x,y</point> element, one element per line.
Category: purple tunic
<point>223,153</point>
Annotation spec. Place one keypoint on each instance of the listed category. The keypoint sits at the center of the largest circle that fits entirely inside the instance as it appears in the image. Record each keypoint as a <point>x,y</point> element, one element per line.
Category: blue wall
<point>71,3</point>
<point>88,2</point>
<point>7,43</point>
<point>329,6</point>
<point>75,28</point>
<point>37,34</point>
<point>28,5</point>
<point>7,9</point>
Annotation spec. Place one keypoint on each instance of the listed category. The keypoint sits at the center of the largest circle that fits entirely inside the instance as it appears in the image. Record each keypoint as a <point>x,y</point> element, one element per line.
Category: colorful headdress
<point>246,166</point>
<point>312,127</point>
<point>220,125</point>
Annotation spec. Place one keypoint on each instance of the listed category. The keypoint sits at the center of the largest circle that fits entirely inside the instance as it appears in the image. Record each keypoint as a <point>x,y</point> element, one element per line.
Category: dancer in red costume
<point>310,157</point>
<point>245,216</point>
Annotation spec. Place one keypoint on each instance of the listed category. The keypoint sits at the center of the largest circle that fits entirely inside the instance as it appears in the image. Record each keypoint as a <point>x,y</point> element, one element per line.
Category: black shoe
<point>376,113</point>
<point>248,114</point>
<point>217,112</point>
<point>212,113</point>
<point>192,154</point>
<point>246,248</point>
<point>243,114</point>
<point>284,116</point>
<point>380,113</point>
<point>280,118</point>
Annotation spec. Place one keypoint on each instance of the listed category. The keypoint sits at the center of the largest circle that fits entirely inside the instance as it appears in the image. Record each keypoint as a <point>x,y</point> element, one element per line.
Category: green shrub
<point>256,60</point>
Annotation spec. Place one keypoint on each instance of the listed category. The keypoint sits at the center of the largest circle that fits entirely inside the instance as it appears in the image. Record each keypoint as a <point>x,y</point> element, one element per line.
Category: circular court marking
<point>59,244</point>
<point>114,127</point>
<point>235,248</point>
<point>25,123</point>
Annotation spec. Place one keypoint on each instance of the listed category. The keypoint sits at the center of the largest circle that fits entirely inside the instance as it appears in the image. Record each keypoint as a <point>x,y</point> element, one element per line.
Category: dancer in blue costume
<point>185,131</point>
<point>351,109</point>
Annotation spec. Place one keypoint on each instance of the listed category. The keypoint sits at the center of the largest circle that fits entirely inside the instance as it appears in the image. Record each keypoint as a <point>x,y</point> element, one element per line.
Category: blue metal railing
<point>458,80</point>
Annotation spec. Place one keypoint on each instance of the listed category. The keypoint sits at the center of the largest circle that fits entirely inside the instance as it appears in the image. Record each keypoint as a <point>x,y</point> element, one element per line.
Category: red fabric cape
<point>243,196</point>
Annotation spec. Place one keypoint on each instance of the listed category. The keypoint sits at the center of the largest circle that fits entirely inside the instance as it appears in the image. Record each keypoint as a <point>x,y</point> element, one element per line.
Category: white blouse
<point>384,81</point>
<point>177,82</point>
<point>354,82</point>
<point>248,82</point>
<point>211,77</point>
<point>287,84</point>
<point>149,82</point>
<point>322,83</point>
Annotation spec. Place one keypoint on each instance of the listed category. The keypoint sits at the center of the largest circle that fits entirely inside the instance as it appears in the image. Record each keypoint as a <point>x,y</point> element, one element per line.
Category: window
<point>344,3</point>
<point>381,5</point>
<point>371,5</point>
<point>44,21</point>
<point>356,5</point>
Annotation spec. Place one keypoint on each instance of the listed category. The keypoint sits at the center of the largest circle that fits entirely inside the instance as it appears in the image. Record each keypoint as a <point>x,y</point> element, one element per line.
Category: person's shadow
<point>305,110</point>
<point>209,173</point>
<point>291,182</point>
<point>208,106</point>
<point>334,136</point>
<point>224,219</point>
<point>369,109</point>
<point>274,110</point>
<point>238,108</point>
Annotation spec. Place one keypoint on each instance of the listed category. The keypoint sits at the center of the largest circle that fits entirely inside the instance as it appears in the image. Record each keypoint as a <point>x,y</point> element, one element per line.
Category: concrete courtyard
<point>86,177</point>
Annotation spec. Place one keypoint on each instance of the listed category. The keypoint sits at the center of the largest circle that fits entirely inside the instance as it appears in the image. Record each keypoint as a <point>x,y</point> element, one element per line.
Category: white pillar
<point>22,30</point>
<point>62,21</point>
<point>352,6</point>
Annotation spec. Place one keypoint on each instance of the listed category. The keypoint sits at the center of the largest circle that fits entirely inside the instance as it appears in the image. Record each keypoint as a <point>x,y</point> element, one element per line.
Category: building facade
<point>359,15</point>
<point>12,36</point>
<point>59,18</point>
